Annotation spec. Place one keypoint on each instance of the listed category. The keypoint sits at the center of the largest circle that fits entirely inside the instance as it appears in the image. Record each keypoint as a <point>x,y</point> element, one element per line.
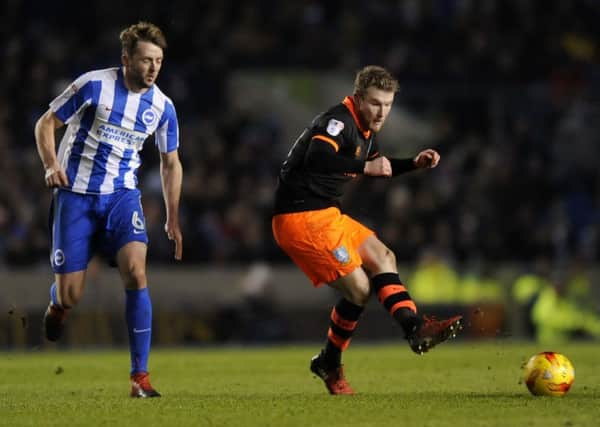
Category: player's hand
<point>427,159</point>
<point>55,176</point>
<point>174,233</point>
<point>378,167</point>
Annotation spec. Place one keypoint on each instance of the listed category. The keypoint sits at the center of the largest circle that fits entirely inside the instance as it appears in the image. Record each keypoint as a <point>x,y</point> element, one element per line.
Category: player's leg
<point>65,293</point>
<point>126,237</point>
<point>323,244</point>
<point>340,239</point>
<point>422,333</point>
<point>131,260</point>
<point>343,320</point>
<point>344,317</point>
<point>73,226</point>
<point>387,286</point>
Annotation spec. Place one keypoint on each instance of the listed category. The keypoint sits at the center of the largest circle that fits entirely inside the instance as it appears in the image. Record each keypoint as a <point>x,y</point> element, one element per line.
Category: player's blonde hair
<point>142,31</point>
<point>374,76</point>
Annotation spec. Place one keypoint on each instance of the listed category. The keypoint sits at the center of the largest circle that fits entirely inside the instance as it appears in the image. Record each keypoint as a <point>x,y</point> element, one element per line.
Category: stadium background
<point>507,91</point>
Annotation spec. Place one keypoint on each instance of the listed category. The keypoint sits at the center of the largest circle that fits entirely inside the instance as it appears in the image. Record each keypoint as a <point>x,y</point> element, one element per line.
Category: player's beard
<point>138,79</point>
<point>377,125</point>
<point>143,83</point>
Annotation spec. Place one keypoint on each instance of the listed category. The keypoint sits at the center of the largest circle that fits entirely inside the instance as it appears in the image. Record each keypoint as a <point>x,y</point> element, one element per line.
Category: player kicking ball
<point>334,249</point>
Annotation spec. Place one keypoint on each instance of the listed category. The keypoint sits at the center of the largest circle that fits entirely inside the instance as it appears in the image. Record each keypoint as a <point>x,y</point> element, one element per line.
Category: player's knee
<point>135,277</point>
<point>359,295</point>
<point>389,258</point>
<point>384,261</point>
<point>377,257</point>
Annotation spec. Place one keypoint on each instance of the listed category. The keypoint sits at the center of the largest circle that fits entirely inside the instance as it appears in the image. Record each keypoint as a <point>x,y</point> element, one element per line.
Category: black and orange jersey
<point>302,186</point>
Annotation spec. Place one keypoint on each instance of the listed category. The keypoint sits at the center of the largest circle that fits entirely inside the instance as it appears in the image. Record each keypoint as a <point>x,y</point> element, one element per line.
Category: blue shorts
<point>83,224</point>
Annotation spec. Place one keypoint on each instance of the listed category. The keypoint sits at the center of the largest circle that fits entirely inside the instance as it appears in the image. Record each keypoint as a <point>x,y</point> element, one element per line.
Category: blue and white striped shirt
<point>107,127</point>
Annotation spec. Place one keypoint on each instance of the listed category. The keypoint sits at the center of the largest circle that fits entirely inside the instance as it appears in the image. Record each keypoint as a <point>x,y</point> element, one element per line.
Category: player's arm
<point>426,159</point>
<point>171,175</point>
<point>70,103</point>
<point>45,141</point>
<point>322,156</point>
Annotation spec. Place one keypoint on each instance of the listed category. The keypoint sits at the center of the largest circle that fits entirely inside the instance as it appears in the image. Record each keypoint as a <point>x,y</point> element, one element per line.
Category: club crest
<point>149,117</point>
<point>341,254</point>
<point>59,257</point>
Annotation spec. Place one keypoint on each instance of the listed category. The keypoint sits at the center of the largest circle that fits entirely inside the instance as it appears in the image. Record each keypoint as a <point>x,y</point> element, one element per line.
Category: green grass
<point>457,384</point>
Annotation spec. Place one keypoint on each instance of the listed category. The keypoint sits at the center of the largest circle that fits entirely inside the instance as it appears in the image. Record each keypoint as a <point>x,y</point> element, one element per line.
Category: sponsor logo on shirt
<point>117,135</point>
<point>334,127</point>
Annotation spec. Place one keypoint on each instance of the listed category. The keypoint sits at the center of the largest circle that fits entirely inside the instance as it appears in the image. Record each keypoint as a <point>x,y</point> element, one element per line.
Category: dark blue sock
<point>53,296</point>
<point>138,312</point>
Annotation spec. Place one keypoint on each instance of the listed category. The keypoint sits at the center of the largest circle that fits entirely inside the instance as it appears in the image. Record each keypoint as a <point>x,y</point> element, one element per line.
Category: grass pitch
<point>457,384</point>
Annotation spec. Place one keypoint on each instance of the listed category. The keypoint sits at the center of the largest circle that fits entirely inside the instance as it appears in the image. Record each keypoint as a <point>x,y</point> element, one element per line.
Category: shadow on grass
<point>393,396</point>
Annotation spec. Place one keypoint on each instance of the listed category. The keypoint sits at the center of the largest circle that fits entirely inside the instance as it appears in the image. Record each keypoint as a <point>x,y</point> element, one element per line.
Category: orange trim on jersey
<point>339,342</point>
<point>403,304</point>
<point>388,290</point>
<point>348,325</point>
<point>329,141</point>
<point>349,103</point>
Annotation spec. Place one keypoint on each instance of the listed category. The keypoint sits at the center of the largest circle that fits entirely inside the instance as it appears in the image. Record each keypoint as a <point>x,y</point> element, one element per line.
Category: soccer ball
<point>548,374</point>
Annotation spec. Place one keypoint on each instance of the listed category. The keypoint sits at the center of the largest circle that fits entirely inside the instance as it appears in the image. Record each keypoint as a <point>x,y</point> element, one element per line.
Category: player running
<point>333,248</point>
<point>96,204</point>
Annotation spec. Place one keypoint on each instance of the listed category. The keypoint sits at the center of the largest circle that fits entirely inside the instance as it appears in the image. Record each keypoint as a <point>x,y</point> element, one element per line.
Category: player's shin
<point>55,316</point>
<point>54,296</point>
<point>54,299</point>
<point>342,323</point>
<point>138,312</point>
<point>394,297</point>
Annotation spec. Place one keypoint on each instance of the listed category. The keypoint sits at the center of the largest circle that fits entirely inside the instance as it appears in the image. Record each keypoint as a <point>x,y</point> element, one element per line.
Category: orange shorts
<point>323,243</point>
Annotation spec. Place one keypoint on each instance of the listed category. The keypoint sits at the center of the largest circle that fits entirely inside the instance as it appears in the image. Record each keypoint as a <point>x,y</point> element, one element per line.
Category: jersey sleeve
<point>330,129</point>
<point>321,157</point>
<point>74,99</point>
<point>373,150</point>
<point>167,133</point>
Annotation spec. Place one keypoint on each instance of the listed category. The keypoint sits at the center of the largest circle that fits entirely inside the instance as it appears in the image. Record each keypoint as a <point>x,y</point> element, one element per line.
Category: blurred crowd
<point>511,89</point>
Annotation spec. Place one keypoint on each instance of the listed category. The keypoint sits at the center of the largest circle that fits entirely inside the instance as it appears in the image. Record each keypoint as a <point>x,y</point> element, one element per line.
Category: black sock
<point>408,320</point>
<point>331,355</point>
<point>342,323</point>
<point>394,297</point>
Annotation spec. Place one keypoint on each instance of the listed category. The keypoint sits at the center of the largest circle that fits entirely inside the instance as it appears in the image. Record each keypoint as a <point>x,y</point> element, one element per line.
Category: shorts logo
<point>138,223</point>
<point>341,254</point>
<point>149,117</point>
<point>334,127</point>
<point>59,257</point>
